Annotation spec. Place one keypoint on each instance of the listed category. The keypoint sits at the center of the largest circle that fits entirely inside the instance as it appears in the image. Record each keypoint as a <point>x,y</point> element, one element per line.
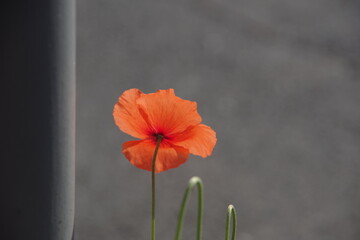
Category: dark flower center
<point>156,135</point>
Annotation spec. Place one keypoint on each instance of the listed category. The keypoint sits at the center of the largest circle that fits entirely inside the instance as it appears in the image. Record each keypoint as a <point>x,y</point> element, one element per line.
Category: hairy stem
<point>153,198</point>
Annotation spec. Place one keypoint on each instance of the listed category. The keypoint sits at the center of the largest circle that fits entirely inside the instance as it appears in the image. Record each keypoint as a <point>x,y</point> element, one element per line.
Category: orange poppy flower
<point>145,116</point>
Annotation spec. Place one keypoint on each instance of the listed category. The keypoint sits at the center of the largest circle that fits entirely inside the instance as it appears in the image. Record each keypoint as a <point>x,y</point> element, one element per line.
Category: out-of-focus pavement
<point>278,80</point>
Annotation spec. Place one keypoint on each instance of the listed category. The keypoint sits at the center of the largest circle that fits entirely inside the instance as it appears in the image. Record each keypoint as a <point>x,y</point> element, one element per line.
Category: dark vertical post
<point>37,120</point>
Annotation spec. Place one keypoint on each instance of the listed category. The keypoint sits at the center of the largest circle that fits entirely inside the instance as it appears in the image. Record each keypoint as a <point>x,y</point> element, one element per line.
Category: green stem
<point>194,181</point>
<point>158,141</point>
<point>231,213</point>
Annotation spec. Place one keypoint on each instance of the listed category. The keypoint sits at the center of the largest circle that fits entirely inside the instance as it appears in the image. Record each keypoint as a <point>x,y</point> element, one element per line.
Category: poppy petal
<point>140,154</point>
<point>127,116</point>
<point>168,114</point>
<point>200,140</point>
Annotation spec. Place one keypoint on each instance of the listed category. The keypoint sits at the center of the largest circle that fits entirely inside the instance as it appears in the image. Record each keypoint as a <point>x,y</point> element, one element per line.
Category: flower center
<point>158,136</point>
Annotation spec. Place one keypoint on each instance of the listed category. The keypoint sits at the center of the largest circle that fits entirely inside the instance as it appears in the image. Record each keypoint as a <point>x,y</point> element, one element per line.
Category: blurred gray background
<point>278,80</point>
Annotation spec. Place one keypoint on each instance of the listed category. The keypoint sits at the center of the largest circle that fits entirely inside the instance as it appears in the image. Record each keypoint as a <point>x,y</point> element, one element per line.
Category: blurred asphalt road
<point>278,80</point>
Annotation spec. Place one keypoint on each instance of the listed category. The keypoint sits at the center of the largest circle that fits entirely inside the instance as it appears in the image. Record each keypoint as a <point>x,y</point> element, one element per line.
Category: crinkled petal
<point>127,116</point>
<point>140,154</point>
<point>200,140</point>
<point>168,114</point>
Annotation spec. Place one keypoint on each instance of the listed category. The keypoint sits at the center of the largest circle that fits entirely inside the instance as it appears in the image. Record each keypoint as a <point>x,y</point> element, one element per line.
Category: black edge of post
<point>37,171</point>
